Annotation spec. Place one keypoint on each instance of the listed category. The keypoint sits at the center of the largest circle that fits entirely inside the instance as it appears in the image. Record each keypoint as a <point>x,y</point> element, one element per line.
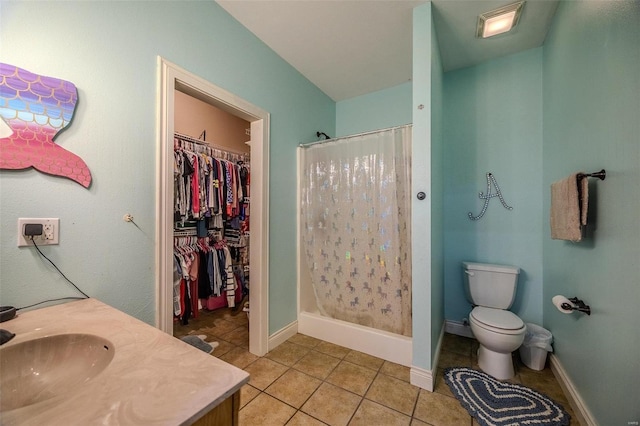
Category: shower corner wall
<point>306,296</point>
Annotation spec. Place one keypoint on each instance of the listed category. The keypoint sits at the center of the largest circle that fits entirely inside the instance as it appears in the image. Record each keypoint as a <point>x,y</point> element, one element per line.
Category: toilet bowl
<point>499,333</point>
<point>491,289</point>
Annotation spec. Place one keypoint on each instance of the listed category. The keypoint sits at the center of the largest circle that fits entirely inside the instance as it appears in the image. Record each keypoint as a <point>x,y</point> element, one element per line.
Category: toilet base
<point>496,364</point>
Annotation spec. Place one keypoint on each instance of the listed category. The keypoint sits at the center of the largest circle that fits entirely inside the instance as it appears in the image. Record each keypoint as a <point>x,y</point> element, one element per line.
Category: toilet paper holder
<point>578,305</point>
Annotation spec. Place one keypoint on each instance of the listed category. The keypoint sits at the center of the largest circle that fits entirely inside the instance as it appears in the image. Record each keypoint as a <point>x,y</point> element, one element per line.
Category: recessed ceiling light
<point>499,21</point>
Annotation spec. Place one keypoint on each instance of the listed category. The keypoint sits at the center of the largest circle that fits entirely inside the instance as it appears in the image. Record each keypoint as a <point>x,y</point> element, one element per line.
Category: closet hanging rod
<point>194,232</point>
<point>600,175</point>
<point>189,233</point>
<point>186,138</point>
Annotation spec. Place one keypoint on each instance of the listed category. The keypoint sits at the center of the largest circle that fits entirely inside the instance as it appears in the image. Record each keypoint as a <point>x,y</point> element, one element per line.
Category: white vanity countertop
<point>153,379</point>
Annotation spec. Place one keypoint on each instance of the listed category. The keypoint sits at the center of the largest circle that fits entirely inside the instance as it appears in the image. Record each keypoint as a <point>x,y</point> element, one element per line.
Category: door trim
<point>170,78</point>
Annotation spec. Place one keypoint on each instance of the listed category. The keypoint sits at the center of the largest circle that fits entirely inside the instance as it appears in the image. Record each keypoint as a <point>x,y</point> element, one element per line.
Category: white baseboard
<point>379,343</point>
<point>458,328</point>
<point>282,335</point>
<point>422,378</point>
<point>580,409</point>
<point>436,357</point>
<point>426,379</point>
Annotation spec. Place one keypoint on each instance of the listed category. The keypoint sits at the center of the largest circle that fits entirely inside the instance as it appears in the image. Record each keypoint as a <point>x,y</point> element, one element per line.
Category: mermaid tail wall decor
<point>35,109</point>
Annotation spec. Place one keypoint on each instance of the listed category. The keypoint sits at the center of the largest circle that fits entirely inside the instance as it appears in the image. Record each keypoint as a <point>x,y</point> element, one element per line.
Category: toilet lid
<point>497,318</point>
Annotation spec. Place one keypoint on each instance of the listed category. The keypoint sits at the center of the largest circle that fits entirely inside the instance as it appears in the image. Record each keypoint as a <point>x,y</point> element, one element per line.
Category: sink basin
<point>40,369</point>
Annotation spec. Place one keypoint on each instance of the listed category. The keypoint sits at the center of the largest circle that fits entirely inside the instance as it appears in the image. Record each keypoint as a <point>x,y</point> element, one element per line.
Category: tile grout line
<point>325,381</point>
<point>363,397</point>
<point>469,355</point>
<point>378,371</point>
<point>291,367</point>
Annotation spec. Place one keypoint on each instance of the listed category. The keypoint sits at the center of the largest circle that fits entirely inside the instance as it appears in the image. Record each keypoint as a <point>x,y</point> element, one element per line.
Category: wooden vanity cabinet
<point>225,414</point>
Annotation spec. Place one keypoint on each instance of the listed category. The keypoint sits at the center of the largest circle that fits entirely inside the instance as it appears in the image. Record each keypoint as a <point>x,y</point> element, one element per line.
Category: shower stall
<point>354,250</point>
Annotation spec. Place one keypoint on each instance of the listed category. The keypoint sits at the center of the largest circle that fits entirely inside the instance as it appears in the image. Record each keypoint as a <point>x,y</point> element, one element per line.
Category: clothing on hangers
<point>206,186</point>
<point>211,190</point>
<point>203,270</point>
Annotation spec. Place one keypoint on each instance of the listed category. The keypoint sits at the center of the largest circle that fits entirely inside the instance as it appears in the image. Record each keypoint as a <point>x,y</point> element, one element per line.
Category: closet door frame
<point>171,78</point>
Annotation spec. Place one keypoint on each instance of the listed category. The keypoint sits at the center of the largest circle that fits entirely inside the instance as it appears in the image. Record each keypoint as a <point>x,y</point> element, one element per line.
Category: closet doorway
<point>172,79</point>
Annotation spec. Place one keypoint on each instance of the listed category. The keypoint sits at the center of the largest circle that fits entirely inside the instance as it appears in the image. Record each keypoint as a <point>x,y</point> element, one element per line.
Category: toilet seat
<point>497,320</point>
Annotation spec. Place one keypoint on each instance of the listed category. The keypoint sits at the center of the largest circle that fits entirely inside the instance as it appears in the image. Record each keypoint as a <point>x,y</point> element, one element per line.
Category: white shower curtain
<point>356,232</point>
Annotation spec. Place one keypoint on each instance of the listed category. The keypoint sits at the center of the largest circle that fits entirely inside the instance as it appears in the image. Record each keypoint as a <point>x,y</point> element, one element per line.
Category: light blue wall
<point>592,121</point>
<point>377,110</point>
<point>493,123</point>
<point>421,182</point>
<point>109,50</point>
<point>437,195</point>
<point>393,107</point>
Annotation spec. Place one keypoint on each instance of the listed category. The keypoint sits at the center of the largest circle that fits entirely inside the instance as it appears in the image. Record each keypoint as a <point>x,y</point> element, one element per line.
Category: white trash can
<point>536,345</point>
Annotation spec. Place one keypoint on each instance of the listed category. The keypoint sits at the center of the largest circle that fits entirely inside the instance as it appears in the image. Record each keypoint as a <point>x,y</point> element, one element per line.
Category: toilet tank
<point>493,286</point>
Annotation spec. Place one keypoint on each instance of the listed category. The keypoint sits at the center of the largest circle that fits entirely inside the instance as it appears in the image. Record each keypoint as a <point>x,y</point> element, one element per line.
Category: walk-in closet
<point>211,206</point>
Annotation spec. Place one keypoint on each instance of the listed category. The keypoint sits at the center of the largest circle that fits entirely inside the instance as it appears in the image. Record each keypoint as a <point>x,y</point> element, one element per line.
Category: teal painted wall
<point>592,121</point>
<point>393,107</point>
<point>373,111</point>
<point>421,182</point>
<point>109,50</point>
<point>437,195</point>
<point>493,123</point>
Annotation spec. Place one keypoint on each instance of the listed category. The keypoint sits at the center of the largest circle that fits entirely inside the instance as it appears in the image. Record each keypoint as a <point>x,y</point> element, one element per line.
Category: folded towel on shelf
<point>569,202</point>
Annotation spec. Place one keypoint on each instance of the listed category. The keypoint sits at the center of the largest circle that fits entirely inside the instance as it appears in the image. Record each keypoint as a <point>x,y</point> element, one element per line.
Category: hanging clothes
<point>203,269</point>
<point>211,190</point>
<point>208,186</point>
<point>185,265</point>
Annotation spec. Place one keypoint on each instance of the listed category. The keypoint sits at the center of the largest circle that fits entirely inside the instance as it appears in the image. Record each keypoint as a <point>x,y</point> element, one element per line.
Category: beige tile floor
<point>306,381</point>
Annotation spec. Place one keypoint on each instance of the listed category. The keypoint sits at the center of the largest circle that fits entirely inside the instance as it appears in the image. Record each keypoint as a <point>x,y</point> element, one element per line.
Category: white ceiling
<point>350,48</point>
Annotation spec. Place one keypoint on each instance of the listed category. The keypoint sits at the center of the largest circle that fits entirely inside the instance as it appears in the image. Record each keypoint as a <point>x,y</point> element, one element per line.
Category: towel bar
<point>600,175</point>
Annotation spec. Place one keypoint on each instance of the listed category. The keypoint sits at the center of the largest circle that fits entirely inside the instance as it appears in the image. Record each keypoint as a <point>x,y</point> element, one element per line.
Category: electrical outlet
<point>50,231</point>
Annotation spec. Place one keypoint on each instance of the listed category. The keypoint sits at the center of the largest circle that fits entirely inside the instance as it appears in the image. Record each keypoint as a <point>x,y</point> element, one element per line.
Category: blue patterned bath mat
<point>495,403</point>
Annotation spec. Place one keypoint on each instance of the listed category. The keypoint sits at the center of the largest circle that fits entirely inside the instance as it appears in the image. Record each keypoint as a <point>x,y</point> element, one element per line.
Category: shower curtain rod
<point>307,145</point>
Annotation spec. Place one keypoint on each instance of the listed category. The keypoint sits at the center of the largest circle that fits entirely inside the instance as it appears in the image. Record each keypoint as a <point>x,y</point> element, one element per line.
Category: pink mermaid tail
<point>36,108</point>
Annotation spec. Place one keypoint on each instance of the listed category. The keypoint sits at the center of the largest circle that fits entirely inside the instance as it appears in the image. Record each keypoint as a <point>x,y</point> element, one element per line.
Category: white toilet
<point>491,289</point>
